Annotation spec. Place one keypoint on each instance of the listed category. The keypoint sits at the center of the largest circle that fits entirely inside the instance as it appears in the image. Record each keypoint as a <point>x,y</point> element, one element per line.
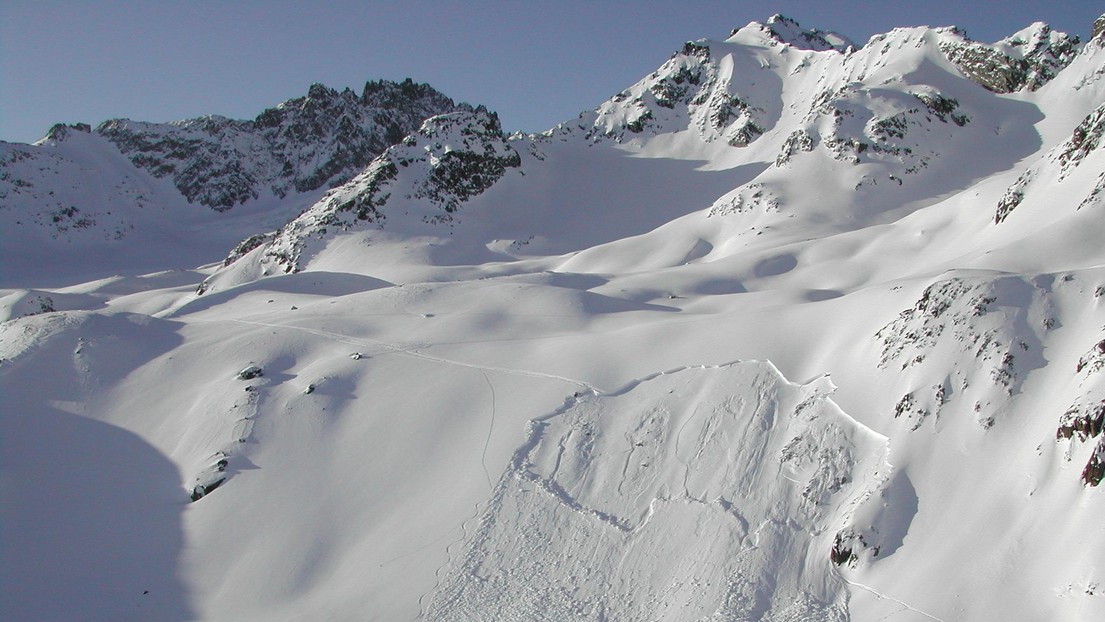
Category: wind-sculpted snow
<point>696,494</point>
<point>21,303</point>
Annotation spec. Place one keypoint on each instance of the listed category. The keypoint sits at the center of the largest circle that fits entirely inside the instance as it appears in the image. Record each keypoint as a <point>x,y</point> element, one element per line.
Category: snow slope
<point>791,329</point>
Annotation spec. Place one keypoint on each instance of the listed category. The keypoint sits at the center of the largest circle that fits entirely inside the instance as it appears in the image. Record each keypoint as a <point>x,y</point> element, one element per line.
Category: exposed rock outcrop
<point>322,139</point>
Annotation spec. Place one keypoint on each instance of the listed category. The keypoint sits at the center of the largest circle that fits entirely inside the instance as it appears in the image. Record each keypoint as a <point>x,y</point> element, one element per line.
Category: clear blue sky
<point>536,63</point>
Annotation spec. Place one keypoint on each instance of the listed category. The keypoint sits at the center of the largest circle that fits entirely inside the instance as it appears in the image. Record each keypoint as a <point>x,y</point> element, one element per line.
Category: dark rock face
<point>1095,468</point>
<point>210,478</point>
<point>1083,421</point>
<point>788,31</point>
<point>60,130</point>
<point>450,159</point>
<point>1086,138</point>
<point>1093,361</point>
<point>322,139</point>
<point>251,372</point>
<point>1019,62</point>
<point>202,490</point>
<point>987,67</point>
<point>689,89</point>
<point>245,246</point>
<point>1012,198</point>
<point>846,546</point>
<point>973,342</point>
<point>461,174</point>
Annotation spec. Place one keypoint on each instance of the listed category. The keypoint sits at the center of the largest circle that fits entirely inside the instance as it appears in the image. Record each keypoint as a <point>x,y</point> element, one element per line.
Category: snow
<point>692,493</point>
<point>577,396</point>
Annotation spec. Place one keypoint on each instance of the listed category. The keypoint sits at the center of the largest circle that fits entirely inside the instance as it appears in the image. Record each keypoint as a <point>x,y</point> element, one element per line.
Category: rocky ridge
<point>321,139</point>
<point>451,158</point>
<point>1025,60</point>
<point>706,88</point>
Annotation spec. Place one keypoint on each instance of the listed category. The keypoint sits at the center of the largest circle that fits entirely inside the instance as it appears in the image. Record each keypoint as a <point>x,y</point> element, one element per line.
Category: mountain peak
<point>1027,59</point>
<point>300,145</point>
<point>1037,40</point>
<point>60,131</point>
<point>320,91</point>
<point>782,29</point>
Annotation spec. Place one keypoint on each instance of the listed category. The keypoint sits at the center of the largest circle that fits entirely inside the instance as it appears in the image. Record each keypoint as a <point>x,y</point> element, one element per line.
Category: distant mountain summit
<point>789,32</point>
<point>321,139</point>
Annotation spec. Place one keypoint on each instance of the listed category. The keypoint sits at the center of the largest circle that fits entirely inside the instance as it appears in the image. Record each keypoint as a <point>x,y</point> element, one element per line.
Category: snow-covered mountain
<point>794,328</point>
<point>303,144</point>
<point>132,192</point>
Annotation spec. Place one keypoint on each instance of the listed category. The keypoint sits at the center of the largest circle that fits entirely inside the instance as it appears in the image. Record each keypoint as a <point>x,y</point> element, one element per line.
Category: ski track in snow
<point>418,550</point>
<point>423,603</point>
<point>414,353</point>
<point>483,369</point>
<point>879,594</point>
<point>490,430</point>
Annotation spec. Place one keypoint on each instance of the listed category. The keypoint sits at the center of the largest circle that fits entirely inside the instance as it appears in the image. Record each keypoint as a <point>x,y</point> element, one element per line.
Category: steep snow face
<point>76,209</point>
<point>1047,175</point>
<point>882,126</point>
<point>303,144</point>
